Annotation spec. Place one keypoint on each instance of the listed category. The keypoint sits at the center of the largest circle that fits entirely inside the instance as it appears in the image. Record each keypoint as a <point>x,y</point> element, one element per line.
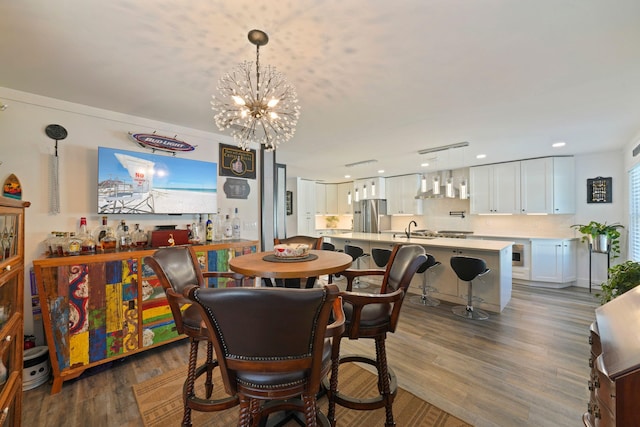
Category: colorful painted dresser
<point>106,306</point>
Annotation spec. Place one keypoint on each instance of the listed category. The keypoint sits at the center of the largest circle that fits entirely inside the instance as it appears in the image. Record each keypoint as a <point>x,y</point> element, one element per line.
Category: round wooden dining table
<point>320,263</point>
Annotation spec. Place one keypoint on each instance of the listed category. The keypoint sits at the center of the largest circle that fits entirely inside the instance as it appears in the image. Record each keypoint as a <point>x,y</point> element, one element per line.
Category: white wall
<point>25,151</point>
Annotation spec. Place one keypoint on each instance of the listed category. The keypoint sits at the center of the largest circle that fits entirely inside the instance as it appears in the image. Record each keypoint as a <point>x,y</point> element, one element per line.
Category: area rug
<point>160,404</point>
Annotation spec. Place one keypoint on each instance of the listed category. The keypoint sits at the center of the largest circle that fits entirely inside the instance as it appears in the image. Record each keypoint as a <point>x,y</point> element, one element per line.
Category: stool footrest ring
<point>362,404</point>
<point>209,405</point>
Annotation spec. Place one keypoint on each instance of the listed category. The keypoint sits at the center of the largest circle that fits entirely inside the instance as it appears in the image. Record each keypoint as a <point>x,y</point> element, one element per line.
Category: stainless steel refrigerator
<point>367,215</point>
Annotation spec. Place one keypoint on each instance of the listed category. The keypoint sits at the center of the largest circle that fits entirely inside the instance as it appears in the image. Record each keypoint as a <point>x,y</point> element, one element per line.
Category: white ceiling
<point>376,79</point>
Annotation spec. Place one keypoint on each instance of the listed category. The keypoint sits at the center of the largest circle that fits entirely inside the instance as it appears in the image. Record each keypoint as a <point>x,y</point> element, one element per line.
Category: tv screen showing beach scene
<point>144,183</point>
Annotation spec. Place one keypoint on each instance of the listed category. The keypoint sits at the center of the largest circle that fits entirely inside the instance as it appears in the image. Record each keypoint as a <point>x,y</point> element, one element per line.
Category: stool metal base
<point>468,312</point>
<point>424,300</point>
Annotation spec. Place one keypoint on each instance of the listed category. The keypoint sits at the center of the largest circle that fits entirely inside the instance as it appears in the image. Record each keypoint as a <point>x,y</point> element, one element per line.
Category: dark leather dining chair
<point>177,268</point>
<point>274,345</point>
<point>313,243</point>
<point>373,316</point>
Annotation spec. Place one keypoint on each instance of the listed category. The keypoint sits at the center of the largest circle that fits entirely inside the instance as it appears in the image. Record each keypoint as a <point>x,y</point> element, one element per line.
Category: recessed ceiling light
<point>347,176</point>
<point>481,156</point>
<point>424,165</point>
<point>381,171</point>
<point>558,144</point>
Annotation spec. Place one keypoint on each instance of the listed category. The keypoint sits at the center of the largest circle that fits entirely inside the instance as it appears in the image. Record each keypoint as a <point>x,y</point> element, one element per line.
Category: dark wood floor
<point>524,367</point>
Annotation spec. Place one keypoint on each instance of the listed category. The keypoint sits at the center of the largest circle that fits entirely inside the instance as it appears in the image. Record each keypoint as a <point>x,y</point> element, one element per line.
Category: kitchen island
<point>493,290</point>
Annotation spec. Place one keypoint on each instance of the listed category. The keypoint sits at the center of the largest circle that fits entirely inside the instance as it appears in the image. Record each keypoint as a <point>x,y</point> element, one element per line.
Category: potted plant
<point>622,278</point>
<point>603,237</point>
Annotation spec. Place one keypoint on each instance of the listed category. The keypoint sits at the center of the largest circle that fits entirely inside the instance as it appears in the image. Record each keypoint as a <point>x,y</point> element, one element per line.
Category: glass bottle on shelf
<point>124,240</point>
<point>235,225</point>
<point>73,244</point>
<point>139,237</point>
<point>109,242</point>
<point>218,229</point>
<point>49,243</point>
<point>101,231</point>
<point>228,228</point>
<point>195,234</point>
<point>87,243</point>
<point>210,228</point>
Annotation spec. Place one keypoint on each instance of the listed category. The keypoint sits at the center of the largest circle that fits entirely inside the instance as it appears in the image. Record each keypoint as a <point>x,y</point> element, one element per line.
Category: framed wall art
<point>599,190</point>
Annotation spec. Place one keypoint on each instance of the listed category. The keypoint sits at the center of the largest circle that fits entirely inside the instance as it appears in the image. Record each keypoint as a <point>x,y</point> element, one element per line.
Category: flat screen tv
<point>144,183</point>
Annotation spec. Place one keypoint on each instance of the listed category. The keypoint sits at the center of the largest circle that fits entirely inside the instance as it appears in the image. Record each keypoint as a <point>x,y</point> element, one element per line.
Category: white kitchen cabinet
<point>553,260</point>
<point>495,189</point>
<point>305,202</point>
<point>321,199</point>
<point>548,185</point>
<point>370,188</point>
<point>343,191</point>
<point>401,195</point>
<point>326,199</point>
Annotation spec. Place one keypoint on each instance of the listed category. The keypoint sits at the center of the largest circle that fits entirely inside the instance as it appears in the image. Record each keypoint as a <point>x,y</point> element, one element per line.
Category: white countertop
<point>443,242</point>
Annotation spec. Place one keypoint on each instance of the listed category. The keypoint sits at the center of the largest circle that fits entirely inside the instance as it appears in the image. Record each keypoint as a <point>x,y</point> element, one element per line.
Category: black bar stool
<point>356,253</point>
<point>380,256</point>
<point>425,300</point>
<point>467,269</point>
<point>326,246</point>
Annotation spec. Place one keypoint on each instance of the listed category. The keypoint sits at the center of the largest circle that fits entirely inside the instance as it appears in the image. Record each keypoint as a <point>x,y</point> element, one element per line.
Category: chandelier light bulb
<point>423,184</point>
<point>349,198</point>
<point>373,188</point>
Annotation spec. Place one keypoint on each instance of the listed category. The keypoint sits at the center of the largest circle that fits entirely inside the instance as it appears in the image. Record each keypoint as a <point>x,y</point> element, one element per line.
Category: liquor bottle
<point>100,232</point>
<point>73,244</point>
<point>120,232</point>
<point>124,240</point>
<point>235,224</point>
<point>218,231</point>
<point>228,227</point>
<point>209,228</point>
<point>87,243</point>
<point>109,242</point>
<point>139,238</point>
<point>195,234</point>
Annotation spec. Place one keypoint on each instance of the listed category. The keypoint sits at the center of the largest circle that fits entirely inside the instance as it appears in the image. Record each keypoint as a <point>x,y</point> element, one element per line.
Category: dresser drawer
<point>605,389</point>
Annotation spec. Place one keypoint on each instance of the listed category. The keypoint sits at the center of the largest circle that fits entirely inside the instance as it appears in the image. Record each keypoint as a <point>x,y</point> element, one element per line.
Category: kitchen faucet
<point>407,230</point>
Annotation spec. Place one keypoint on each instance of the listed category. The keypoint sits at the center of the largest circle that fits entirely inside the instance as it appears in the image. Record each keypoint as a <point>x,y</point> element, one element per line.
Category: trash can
<point>35,368</point>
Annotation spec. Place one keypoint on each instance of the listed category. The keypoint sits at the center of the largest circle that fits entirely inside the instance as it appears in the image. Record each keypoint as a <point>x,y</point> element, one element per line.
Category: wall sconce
<point>349,198</point>
<point>464,191</point>
<point>364,191</point>
<point>357,198</point>
<point>373,188</point>
<point>436,185</point>
<point>423,184</point>
<point>3,106</point>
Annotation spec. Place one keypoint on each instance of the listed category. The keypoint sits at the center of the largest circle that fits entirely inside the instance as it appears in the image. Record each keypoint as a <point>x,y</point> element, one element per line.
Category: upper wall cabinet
<point>548,185</point>
<point>495,189</point>
<point>401,195</point>
<point>326,199</point>
<point>345,198</point>
<point>369,188</point>
<point>534,186</point>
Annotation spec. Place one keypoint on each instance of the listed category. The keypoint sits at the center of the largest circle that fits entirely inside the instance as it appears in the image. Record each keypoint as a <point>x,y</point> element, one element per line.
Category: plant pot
<point>601,243</point>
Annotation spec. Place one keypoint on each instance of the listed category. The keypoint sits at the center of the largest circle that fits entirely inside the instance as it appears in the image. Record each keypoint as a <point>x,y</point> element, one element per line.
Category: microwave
<point>517,256</point>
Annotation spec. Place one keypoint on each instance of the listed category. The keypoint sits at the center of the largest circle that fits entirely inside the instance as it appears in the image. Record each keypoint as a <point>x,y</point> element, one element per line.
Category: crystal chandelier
<point>261,107</point>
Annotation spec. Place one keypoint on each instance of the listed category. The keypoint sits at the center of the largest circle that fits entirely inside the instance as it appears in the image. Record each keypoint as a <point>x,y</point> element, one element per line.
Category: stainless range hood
<point>442,186</point>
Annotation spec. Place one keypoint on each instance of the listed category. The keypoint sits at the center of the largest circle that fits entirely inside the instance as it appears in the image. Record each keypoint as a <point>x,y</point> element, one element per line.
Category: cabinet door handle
<point>8,267</point>
<point>7,338</point>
